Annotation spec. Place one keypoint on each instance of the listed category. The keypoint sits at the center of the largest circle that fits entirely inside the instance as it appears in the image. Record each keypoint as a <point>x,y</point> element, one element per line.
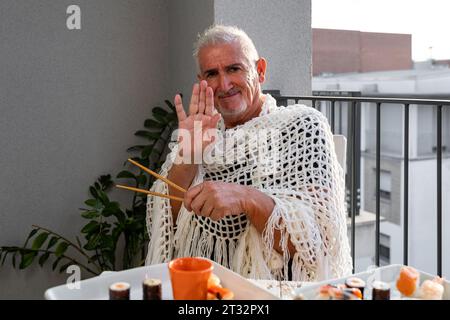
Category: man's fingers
<point>207,208</point>
<point>202,101</point>
<point>190,195</point>
<point>209,101</point>
<point>193,107</point>
<point>215,119</point>
<point>179,107</point>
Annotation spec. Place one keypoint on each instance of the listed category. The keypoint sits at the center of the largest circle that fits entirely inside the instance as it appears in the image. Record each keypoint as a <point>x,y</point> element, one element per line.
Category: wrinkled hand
<point>216,199</point>
<point>202,115</point>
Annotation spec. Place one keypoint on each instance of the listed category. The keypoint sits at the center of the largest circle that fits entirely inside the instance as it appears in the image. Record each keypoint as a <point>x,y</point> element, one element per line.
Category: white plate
<point>97,288</point>
<point>387,274</point>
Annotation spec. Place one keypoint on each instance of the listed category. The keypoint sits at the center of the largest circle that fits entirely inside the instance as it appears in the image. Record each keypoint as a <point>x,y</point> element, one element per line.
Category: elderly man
<point>263,216</point>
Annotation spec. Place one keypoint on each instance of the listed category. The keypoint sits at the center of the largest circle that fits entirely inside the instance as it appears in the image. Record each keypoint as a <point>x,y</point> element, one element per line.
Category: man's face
<point>234,80</point>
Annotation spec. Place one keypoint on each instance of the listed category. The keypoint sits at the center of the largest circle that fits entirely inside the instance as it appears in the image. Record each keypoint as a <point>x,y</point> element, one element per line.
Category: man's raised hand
<point>196,131</point>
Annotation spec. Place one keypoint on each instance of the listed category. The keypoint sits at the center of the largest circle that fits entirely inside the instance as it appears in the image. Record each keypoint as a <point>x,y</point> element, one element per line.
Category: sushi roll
<point>381,290</point>
<point>407,281</point>
<point>119,291</point>
<point>356,283</point>
<point>219,293</point>
<point>352,294</point>
<point>432,289</point>
<point>152,289</point>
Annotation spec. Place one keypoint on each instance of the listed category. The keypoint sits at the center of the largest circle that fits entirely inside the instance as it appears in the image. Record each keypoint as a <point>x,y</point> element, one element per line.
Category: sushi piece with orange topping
<point>432,289</point>
<point>407,281</point>
<point>219,293</point>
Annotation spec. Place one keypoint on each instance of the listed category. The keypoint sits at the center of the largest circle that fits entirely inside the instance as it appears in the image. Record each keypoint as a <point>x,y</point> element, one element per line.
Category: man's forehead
<point>221,55</point>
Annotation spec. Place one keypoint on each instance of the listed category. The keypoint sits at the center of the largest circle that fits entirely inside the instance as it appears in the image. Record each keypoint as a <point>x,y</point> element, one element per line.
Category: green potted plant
<point>96,249</point>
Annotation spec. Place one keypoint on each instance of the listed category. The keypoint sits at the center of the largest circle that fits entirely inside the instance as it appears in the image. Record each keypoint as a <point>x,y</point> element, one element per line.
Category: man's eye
<point>234,69</point>
<point>211,74</point>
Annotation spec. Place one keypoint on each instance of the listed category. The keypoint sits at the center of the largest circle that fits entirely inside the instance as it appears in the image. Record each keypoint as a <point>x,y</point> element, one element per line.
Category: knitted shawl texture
<point>288,154</point>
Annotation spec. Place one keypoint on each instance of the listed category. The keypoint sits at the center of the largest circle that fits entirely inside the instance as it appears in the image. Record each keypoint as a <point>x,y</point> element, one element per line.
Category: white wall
<point>70,102</point>
<point>186,20</point>
<point>281,31</point>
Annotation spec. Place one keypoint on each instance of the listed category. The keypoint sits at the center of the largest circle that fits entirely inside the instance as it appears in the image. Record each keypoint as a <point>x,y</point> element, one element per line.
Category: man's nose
<point>224,83</point>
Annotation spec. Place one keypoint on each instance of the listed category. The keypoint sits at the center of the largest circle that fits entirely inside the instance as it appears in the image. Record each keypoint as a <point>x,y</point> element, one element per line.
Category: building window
<point>385,185</point>
<point>385,249</point>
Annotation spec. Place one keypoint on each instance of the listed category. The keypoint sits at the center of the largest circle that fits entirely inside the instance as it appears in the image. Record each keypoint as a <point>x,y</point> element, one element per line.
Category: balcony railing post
<point>332,115</point>
<point>377,188</point>
<point>406,186</point>
<point>439,189</point>
<point>353,199</point>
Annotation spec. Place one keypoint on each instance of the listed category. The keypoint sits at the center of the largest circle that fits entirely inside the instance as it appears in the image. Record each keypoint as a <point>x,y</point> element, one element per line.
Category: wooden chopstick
<point>157,176</point>
<point>150,192</point>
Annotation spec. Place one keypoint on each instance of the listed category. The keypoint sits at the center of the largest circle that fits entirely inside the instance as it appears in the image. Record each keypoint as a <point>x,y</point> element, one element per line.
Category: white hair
<point>221,34</point>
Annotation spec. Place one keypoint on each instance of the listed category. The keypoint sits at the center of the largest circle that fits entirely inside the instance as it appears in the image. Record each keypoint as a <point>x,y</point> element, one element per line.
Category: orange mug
<point>189,277</point>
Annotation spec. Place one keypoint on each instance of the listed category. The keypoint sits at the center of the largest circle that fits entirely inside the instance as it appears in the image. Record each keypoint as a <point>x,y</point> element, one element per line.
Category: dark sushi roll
<point>119,291</point>
<point>356,283</point>
<point>381,290</point>
<point>152,289</point>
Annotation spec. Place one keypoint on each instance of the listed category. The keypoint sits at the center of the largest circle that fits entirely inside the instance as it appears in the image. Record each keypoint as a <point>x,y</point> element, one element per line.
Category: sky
<point>428,21</point>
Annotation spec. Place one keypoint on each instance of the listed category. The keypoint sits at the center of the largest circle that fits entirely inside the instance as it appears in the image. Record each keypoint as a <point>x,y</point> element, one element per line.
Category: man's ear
<point>261,67</point>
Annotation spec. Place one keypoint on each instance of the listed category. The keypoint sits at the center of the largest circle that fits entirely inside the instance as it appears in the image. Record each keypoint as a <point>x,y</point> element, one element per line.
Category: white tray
<point>387,274</point>
<point>97,288</point>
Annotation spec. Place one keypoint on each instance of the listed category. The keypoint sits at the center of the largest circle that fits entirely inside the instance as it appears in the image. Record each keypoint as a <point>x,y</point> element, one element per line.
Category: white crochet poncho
<point>297,167</point>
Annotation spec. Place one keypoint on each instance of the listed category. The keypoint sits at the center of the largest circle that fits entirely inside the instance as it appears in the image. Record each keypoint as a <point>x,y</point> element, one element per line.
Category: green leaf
<point>90,227</point>
<point>160,118</point>
<point>39,240</point>
<point>61,248</point>
<point>126,175</point>
<point>79,242</point>
<point>91,202</point>
<point>110,209</point>
<point>52,242</point>
<point>105,181</point>
<point>32,233</point>
<point>93,192</point>
<point>43,258</point>
<point>90,214</point>
<point>92,243</point>
<point>159,111</point>
<point>170,105</point>
<point>147,151</point>
<point>119,215</point>
<point>27,259</point>
<point>64,267</point>
<point>103,197</point>
<point>5,254</point>
<point>55,264</point>
<point>142,180</point>
<point>152,124</point>
<point>147,134</point>
<point>136,148</point>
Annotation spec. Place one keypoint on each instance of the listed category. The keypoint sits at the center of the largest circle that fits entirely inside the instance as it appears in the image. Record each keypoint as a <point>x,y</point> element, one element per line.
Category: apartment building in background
<point>376,64</point>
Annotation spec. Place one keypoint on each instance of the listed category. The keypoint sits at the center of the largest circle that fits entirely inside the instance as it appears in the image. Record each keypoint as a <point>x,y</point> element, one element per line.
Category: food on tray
<point>381,290</point>
<point>216,291</point>
<point>340,292</point>
<point>405,285</point>
<point>151,289</point>
<point>357,283</point>
<point>432,289</point>
<point>407,281</point>
<point>119,291</point>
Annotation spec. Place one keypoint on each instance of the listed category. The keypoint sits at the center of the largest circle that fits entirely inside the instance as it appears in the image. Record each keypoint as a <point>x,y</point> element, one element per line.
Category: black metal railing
<point>354,100</point>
